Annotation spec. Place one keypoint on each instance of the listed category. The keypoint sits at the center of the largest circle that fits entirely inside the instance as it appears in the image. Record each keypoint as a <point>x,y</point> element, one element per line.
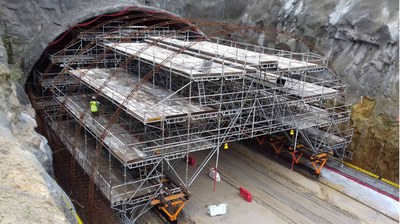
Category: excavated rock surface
<point>380,134</point>
<point>361,39</point>
<point>28,193</point>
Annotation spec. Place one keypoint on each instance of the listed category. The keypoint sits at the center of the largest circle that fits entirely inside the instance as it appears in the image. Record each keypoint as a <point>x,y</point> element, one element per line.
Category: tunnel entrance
<point>125,98</point>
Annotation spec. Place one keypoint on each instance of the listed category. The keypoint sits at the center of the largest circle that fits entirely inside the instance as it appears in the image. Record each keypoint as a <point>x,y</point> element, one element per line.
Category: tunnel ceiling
<point>57,33</point>
<point>133,15</point>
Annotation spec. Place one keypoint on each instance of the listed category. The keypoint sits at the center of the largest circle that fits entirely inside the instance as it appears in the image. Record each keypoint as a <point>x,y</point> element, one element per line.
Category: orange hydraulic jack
<point>318,162</point>
<point>274,142</point>
<point>293,153</point>
<point>176,202</point>
<point>261,140</point>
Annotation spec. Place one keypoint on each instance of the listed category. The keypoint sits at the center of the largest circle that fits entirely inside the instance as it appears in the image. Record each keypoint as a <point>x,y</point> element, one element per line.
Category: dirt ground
<point>279,195</point>
<point>375,143</point>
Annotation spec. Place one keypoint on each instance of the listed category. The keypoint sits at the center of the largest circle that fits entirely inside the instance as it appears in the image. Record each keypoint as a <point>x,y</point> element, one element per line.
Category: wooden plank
<point>329,139</point>
<point>114,178</point>
<point>299,88</point>
<point>142,104</point>
<point>305,117</point>
<point>246,57</point>
<point>182,63</point>
<point>77,104</point>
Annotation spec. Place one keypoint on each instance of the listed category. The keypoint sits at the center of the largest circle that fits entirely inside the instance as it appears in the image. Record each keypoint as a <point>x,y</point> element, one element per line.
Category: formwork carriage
<point>195,94</point>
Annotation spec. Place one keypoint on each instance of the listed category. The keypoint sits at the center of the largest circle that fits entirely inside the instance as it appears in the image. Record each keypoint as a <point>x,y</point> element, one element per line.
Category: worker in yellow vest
<point>94,107</point>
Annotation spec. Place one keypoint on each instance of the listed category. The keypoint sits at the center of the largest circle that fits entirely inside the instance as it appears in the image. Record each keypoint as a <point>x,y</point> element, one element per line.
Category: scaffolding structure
<point>165,94</point>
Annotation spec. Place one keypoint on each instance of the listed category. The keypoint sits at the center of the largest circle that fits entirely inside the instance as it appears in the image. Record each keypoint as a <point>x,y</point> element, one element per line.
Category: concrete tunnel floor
<point>279,194</point>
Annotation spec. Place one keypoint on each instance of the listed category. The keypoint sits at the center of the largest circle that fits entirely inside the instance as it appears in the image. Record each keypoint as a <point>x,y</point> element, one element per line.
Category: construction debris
<point>214,210</point>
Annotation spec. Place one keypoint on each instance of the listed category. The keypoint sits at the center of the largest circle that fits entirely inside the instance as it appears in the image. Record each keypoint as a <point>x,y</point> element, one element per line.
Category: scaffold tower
<point>165,93</point>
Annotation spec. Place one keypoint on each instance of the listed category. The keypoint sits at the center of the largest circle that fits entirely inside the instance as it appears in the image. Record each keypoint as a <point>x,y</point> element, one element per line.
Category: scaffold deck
<point>123,144</point>
<point>299,88</point>
<point>108,180</point>
<point>147,104</point>
<point>246,57</point>
<point>324,137</point>
<point>180,63</point>
<point>115,139</point>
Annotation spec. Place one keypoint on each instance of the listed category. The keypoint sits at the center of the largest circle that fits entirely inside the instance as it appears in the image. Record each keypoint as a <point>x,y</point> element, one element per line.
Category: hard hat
<point>226,146</point>
<point>94,97</point>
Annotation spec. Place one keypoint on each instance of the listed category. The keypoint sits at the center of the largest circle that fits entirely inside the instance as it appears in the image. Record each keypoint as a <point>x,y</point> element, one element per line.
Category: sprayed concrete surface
<point>280,195</point>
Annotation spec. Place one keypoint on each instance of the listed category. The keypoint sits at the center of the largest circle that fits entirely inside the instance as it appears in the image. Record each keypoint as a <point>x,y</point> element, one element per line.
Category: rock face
<point>28,193</point>
<point>360,38</point>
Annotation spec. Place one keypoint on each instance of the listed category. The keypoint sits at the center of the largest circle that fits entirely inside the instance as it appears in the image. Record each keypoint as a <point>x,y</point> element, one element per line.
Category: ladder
<point>143,172</point>
<point>202,93</point>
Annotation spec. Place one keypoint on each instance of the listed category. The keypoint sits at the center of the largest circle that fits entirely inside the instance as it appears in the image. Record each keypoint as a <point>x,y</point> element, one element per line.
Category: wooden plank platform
<point>299,88</point>
<point>115,139</point>
<point>295,87</point>
<point>123,145</point>
<point>246,57</point>
<point>329,140</point>
<point>59,59</point>
<point>142,104</point>
<point>112,181</point>
<point>183,64</point>
<point>306,117</point>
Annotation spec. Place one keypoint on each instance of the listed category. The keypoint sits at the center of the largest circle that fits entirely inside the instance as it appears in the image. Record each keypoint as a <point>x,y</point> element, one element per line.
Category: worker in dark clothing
<point>94,108</point>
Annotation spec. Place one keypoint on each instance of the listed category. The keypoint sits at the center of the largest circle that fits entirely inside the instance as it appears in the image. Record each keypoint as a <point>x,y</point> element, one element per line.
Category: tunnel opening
<point>166,92</point>
<point>72,176</point>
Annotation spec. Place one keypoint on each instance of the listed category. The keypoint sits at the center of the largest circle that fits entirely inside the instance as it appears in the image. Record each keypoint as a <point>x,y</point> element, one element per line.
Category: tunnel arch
<point>55,32</point>
<point>60,41</point>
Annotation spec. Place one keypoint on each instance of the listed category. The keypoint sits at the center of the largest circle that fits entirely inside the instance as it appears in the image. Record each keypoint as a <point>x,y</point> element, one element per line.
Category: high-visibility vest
<point>94,106</point>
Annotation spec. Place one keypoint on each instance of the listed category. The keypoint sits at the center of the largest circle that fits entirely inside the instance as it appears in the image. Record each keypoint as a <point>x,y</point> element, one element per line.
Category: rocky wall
<point>361,40</point>
<point>28,192</point>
